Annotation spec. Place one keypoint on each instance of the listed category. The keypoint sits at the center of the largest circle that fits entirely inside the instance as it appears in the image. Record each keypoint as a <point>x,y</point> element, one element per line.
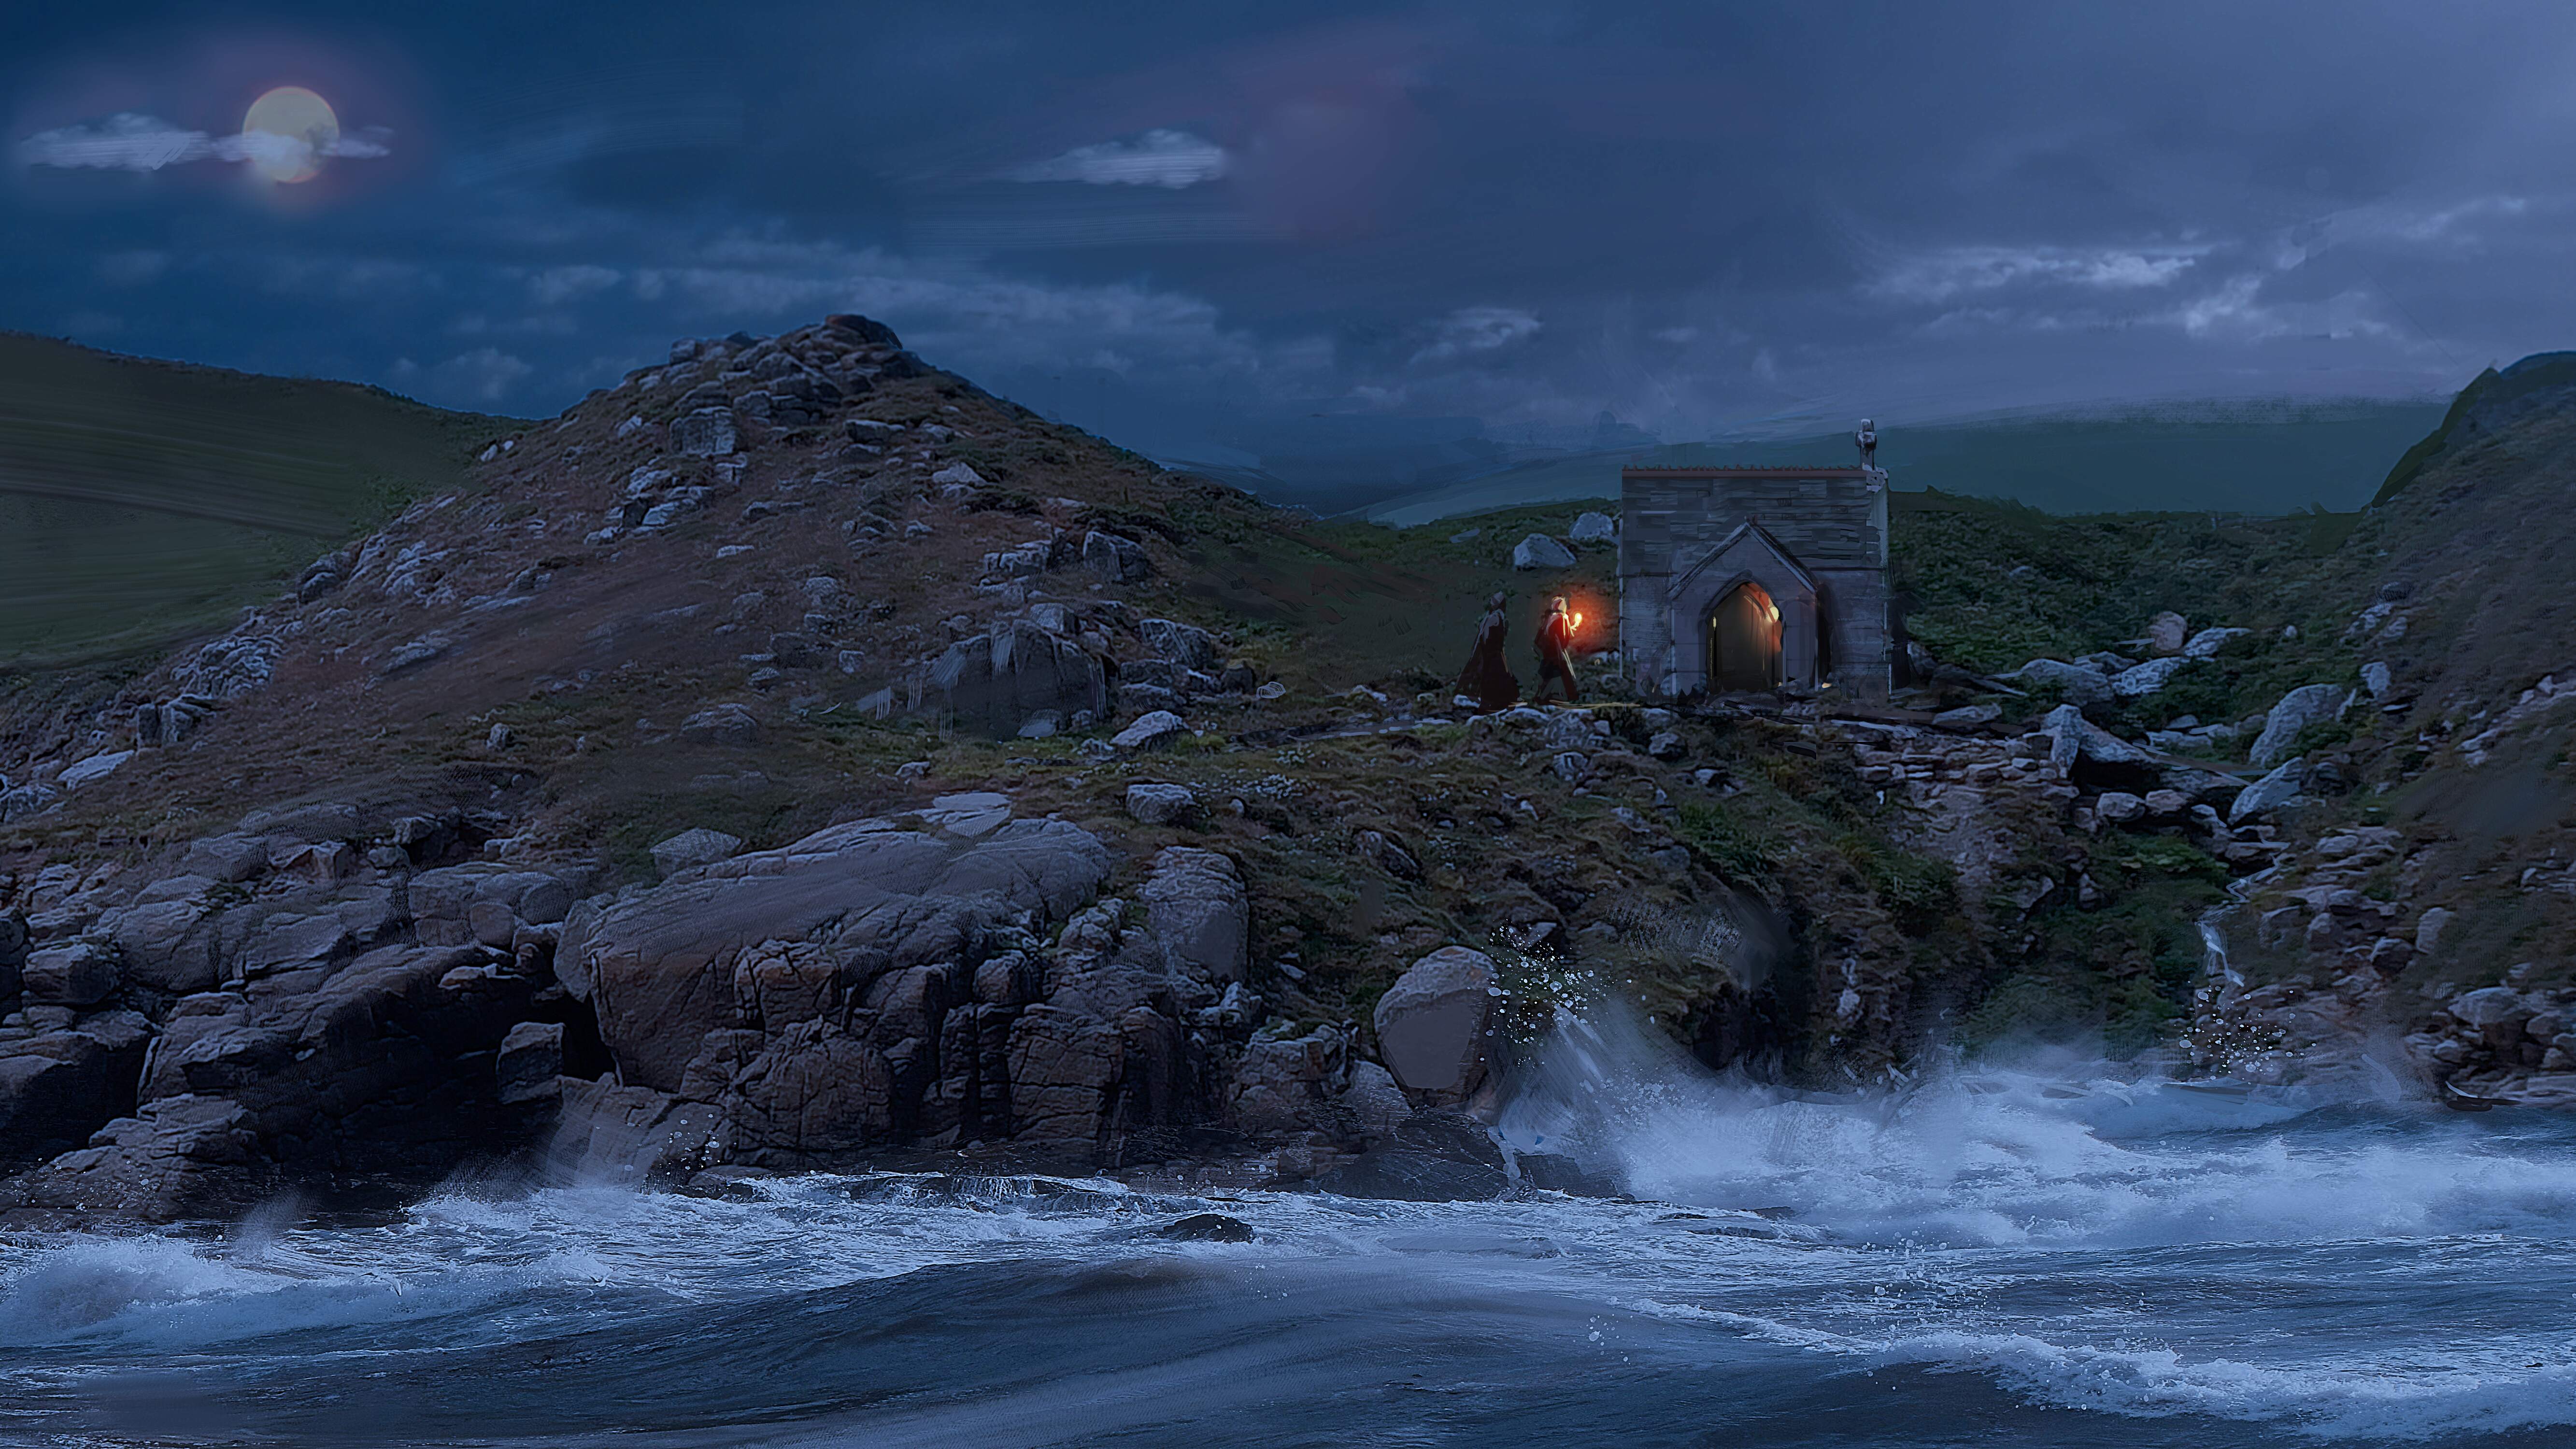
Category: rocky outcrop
<point>862,986</point>
<point>998,682</point>
<point>284,1000</point>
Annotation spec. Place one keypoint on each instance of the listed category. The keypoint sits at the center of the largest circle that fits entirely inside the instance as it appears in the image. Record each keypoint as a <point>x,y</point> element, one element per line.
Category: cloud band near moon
<point>133,142</point>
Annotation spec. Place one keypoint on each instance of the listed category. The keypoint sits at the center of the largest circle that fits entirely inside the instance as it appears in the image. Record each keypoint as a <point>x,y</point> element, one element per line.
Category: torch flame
<point>1578,622</point>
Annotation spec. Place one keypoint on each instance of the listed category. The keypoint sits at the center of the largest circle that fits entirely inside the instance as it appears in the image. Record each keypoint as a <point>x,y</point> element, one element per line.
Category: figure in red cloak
<point>1487,678</point>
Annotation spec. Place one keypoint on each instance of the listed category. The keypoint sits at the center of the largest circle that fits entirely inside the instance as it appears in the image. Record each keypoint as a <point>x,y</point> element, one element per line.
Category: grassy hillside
<point>140,499</point>
<point>2248,458</point>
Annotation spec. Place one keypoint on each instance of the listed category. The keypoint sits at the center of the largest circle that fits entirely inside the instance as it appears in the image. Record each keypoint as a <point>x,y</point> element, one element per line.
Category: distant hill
<point>2254,458</point>
<point>140,500</point>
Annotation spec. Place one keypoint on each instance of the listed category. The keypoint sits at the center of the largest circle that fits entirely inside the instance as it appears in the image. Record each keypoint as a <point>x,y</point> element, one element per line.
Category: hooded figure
<point>1556,652</point>
<point>1487,678</point>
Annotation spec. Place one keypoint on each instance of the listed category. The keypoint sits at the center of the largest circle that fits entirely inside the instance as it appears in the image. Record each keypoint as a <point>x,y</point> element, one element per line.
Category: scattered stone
<point>2077,685</point>
<point>2147,678</point>
<point>1115,559</point>
<point>1186,645</point>
<point>1968,716</point>
<point>970,814</point>
<point>1375,847</point>
<point>2207,643</point>
<point>2119,807</point>
<point>694,847</point>
<point>723,724</point>
<point>92,770</point>
<point>417,652</point>
<point>2074,739</point>
<point>707,432</point>
<point>2167,632</point>
<point>1538,551</point>
<point>1469,535</point>
<point>1158,804</point>
<point>499,738</point>
<point>1157,728</point>
<point>1274,689</point>
<point>1595,528</point>
<point>1207,1228</point>
<point>2429,928</point>
<point>958,475</point>
<point>2375,678</point>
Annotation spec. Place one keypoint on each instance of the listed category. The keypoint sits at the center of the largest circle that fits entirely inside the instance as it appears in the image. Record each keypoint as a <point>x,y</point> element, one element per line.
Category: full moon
<point>289,129</point>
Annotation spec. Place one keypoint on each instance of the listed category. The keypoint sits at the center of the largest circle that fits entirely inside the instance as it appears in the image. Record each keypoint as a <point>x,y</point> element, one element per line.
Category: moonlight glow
<point>290,129</point>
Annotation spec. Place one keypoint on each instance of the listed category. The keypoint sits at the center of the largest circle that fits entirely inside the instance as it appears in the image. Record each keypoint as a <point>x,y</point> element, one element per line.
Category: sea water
<point>2065,1254</point>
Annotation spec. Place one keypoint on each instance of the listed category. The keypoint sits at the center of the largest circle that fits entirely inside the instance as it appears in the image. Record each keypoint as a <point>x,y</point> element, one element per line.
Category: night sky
<point>1175,221</point>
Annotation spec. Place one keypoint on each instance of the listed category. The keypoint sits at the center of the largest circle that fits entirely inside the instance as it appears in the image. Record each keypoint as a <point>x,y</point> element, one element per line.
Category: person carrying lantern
<point>1556,651</point>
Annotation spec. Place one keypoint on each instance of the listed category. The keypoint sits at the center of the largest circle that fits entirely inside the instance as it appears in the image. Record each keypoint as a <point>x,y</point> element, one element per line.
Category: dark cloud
<point>1170,218</point>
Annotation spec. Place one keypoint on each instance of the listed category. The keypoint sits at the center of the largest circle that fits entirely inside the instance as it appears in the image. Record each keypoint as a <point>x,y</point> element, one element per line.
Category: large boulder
<point>1595,528</point>
<point>2306,705</point>
<point>1434,1023</point>
<point>1195,908</point>
<point>998,682</point>
<point>2167,633</point>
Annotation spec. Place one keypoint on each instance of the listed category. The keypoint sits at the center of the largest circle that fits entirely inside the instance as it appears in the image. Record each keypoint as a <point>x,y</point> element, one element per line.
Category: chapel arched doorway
<point>1744,641</point>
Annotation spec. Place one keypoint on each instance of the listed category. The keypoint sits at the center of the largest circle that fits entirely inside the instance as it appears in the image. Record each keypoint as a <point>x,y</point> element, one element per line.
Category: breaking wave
<point>2063,1254</point>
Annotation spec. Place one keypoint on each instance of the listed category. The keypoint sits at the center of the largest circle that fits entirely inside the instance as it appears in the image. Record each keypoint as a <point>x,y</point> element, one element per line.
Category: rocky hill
<point>2429,914</point>
<point>793,756</point>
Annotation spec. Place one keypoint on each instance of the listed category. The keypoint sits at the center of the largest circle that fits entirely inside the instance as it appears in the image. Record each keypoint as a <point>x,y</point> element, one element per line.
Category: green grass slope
<point>140,500</point>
